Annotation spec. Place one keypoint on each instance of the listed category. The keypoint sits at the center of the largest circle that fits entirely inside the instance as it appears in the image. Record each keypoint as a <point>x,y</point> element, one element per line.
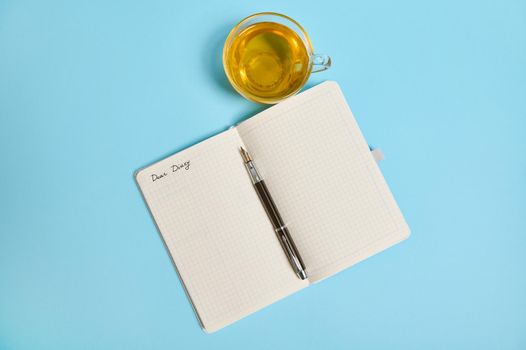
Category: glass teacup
<point>268,57</point>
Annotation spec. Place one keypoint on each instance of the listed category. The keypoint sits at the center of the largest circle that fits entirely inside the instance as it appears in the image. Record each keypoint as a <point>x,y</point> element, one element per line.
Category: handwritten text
<point>184,166</point>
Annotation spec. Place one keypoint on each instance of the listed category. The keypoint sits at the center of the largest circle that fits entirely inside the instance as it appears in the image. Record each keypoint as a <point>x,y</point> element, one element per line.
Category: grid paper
<point>217,232</point>
<point>324,180</point>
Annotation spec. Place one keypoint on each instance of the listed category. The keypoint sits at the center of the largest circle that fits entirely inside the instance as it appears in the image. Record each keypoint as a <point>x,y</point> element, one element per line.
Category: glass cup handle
<point>320,62</point>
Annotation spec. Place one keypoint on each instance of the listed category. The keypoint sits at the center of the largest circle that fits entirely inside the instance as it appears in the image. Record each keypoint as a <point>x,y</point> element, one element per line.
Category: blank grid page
<point>217,232</point>
<point>324,180</point>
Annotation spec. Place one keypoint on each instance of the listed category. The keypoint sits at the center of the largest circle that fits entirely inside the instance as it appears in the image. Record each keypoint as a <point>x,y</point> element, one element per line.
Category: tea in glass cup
<point>268,57</point>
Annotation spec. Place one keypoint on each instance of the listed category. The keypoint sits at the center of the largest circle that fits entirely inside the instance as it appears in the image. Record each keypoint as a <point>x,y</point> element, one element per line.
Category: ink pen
<point>272,211</point>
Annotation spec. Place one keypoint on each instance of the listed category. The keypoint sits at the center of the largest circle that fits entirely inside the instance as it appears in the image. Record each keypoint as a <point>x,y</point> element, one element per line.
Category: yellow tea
<point>267,61</point>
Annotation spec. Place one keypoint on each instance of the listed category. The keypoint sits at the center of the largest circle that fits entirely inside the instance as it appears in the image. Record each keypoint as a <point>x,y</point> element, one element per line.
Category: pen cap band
<point>253,172</point>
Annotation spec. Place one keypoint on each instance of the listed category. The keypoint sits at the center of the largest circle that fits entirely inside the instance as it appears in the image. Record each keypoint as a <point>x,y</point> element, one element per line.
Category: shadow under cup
<point>268,57</point>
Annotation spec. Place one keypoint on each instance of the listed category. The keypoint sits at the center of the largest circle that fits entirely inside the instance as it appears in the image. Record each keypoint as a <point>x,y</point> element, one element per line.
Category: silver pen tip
<point>245,155</point>
<point>302,274</point>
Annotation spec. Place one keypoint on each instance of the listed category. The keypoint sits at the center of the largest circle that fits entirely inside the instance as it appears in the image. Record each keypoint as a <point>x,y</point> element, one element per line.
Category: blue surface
<point>92,90</point>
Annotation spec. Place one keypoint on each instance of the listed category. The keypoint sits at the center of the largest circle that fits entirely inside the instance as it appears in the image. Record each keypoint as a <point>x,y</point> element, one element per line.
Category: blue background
<point>92,90</point>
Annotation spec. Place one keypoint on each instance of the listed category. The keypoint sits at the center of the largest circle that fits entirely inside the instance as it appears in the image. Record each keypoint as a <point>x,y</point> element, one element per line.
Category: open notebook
<point>323,179</point>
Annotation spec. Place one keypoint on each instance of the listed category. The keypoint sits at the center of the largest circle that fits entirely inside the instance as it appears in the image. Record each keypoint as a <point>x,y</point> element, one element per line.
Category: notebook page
<point>216,231</point>
<point>324,180</point>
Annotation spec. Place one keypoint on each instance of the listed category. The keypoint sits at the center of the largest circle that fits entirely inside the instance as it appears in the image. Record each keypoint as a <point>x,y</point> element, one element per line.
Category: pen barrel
<point>268,204</point>
<point>292,252</point>
<point>285,239</point>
